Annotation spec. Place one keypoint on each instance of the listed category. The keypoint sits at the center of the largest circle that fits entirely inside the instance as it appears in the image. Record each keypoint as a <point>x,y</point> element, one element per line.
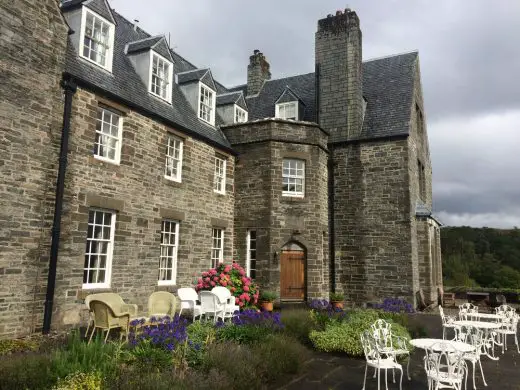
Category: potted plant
<point>336,299</point>
<point>266,300</point>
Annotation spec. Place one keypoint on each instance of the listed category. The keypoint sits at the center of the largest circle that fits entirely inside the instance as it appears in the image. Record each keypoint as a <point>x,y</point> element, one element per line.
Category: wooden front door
<point>292,275</point>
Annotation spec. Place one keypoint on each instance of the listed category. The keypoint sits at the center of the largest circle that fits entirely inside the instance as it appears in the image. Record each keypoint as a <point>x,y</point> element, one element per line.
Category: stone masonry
<point>278,219</point>
<point>33,38</point>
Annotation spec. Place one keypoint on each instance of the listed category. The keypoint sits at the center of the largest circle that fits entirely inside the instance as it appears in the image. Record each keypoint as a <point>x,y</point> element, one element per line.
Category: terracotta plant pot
<point>266,306</point>
<point>337,304</point>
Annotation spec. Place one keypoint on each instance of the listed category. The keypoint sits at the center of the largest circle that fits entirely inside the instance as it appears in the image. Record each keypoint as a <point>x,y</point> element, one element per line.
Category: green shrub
<point>398,318</point>
<point>200,335</point>
<point>243,334</point>
<point>336,297</point>
<point>298,324</point>
<point>344,336</point>
<point>147,356</point>
<point>18,345</point>
<point>268,296</point>
<point>26,371</point>
<point>280,355</point>
<point>80,381</point>
<point>78,356</point>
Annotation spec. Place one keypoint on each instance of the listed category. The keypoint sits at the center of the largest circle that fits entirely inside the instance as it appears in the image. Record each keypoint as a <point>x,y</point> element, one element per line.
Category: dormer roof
<point>289,96</point>
<point>202,75</point>
<point>100,7</point>
<point>157,44</point>
<point>232,98</point>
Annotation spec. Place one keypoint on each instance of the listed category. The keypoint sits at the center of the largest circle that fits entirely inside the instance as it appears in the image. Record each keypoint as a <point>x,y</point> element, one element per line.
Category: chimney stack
<point>339,75</point>
<point>257,72</point>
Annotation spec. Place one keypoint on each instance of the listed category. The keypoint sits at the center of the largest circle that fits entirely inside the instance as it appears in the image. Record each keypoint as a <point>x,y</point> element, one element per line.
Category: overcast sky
<point>470,63</point>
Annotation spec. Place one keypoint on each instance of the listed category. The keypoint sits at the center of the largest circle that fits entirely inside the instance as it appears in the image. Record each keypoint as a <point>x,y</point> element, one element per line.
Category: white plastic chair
<point>390,344</point>
<point>374,358</point>
<point>188,297</point>
<point>447,322</point>
<point>225,296</point>
<point>509,327</point>
<point>212,306</point>
<point>475,337</point>
<point>445,367</point>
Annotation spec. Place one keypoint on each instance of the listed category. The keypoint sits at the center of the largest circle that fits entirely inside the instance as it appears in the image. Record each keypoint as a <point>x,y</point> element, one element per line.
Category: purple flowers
<point>164,333</point>
<point>395,305</point>
<point>264,319</point>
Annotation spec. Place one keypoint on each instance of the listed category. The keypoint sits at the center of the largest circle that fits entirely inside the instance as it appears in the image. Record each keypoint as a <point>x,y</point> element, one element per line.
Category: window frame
<point>117,158</point>
<point>168,97</point>
<point>213,95</point>
<point>109,253</point>
<point>294,194</point>
<point>216,170</point>
<point>241,111</point>
<point>177,178</point>
<point>173,280</point>
<point>110,46</point>
<point>279,106</point>
<point>215,261</point>
<point>249,268</point>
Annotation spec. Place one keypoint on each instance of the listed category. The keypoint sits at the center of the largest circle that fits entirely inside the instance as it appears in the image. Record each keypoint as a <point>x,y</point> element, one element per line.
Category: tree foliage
<point>481,257</point>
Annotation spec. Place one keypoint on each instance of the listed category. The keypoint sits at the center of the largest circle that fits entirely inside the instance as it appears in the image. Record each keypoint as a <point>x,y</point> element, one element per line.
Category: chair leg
<point>516,342</point>
<point>474,385</point>
<point>401,381</point>
<point>378,379</point>
<point>106,337</point>
<point>408,368</point>
<point>88,327</point>
<point>365,378</point>
<point>444,333</point>
<point>482,372</point>
<point>375,372</point>
<point>92,334</point>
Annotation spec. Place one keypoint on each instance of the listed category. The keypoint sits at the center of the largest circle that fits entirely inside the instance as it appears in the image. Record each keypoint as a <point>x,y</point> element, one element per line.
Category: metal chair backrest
<point>446,363</point>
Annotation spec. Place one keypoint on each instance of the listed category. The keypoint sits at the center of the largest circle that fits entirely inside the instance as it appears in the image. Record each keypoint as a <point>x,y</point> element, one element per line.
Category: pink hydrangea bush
<point>233,277</point>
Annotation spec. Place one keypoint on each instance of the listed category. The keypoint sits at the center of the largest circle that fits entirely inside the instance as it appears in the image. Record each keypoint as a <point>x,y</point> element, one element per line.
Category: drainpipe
<point>69,87</point>
<point>332,241</point>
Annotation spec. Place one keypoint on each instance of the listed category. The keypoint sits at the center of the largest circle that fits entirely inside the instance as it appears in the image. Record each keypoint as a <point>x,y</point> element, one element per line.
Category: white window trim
<point>177,179</point>
<point>110,253</point>
<point>221,255</point>
<point>173,281</point>
<point>111,32</point>
<point>248,252</point>
<point>117,159</point>
<point>292,193</point>
<point>223,190</point>
<point>240,109</point>
<point>293,103</point>
<point>170,77</point>
<point>213,105</point>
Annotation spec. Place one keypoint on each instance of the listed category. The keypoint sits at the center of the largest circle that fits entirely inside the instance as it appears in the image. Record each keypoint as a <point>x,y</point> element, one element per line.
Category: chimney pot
<point>256,51</point>
<point>136,22</point>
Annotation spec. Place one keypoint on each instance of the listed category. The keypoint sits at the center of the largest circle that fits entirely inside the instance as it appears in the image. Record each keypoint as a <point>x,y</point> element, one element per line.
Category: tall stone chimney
<point>257,72</point>
<point>339,75</point>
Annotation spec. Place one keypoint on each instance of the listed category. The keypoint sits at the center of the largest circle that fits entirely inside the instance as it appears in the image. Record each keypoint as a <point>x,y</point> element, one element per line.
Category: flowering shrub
<point>233,277</point>
<point>323,313</point>
<point>250,326</point>
<point>395,305</point>
<point>166,333</point>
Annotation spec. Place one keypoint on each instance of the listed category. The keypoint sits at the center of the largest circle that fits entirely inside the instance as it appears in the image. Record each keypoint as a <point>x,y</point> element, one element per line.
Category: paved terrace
<point>335,371</point>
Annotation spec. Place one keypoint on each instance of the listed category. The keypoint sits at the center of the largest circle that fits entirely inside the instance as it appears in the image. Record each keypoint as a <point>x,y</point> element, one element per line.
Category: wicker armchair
<point>113,300</point>
<point>107,317</point>
<point>161,304</point>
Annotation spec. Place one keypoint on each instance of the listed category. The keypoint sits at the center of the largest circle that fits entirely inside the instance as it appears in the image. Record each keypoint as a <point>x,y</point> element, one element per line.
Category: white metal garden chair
<point>447,322</point>
<point>466,309</point>
<point>212,306</point>
<point>225,296</point>
<point>380,361</point>
<point>509,328</point>
<point>471,335</point>
<point>503,309</point>
<point>445,367</point>
<point>389,343</point>
<point>188,297</point>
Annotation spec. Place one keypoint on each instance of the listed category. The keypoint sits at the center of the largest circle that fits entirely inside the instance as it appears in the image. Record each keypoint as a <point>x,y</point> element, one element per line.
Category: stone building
<point>126,168</point>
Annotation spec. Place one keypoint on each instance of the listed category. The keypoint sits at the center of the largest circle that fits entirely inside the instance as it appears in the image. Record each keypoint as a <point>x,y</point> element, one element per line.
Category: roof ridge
<point>283,78</point>
<point>392,55</point>
<point>229,93</point>
<point>145,39</point>
<point>195,70</point>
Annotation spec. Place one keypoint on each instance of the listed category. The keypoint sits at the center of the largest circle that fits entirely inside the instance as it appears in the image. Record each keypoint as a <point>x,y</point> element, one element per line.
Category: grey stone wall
<point>373,235</point>
<point>33,40</point>
<point>338,52</point>
<point>137,190</point>
<point>259,203</point>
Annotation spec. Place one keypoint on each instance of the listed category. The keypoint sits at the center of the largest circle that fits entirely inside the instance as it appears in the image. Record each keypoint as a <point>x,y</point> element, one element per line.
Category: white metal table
<point>428,343</point>
<point>483,316</point>
<point>489,340</point>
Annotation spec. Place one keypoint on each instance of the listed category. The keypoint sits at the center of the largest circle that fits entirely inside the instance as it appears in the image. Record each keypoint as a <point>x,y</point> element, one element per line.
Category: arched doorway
<point>292,272</point>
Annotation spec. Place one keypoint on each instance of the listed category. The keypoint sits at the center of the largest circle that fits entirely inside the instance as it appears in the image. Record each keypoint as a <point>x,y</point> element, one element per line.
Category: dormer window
<point>97,39</point>
<point>207,104</point>
<point>240,115</point>
<point>287,110</point>
<point>161,74</point>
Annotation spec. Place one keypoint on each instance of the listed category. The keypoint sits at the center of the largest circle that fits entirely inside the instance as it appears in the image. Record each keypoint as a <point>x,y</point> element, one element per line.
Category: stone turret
<point>339,72</point>
<point>257,72</point>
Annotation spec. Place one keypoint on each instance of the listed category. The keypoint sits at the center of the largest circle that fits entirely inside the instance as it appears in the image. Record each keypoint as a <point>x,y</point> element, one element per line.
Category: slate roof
<point>387,87</point>
<point>125,84</point>
<point>421,210</point>
<point>157,43</point>
<point>288,96</point>
<point>232,98</point>
<point>98,6</point>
